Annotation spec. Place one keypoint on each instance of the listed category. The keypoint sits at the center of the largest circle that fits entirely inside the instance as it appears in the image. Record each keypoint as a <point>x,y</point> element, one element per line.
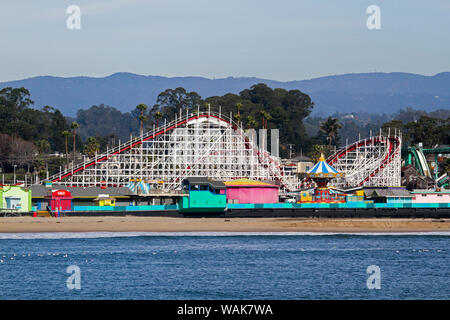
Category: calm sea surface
<point>224,266</point>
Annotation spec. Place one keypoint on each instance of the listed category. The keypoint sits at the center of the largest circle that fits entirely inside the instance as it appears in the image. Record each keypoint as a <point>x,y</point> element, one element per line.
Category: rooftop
<point>431,191</point>
<point>300,158</point>
<point>248,182</point>
<point>40,191</point>
<point>388,192</point>
<point>199,181</point>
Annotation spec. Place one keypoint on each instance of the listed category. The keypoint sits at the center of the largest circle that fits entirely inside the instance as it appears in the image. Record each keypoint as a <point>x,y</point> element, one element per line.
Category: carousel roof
<point>322,169</point>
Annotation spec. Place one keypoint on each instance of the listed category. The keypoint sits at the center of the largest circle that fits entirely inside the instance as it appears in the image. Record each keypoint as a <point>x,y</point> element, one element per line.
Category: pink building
<point>428,196</point>
<point>251,191</point>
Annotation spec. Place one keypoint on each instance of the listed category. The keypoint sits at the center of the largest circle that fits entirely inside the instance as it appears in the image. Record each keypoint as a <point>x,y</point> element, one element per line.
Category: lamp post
<point>15,174</point>
<point>28,177</point>
<point>290,150</point>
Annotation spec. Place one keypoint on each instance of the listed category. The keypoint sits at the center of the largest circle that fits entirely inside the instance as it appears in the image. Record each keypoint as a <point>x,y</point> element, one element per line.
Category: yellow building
<point>305,196</point>
<point>105,200</point>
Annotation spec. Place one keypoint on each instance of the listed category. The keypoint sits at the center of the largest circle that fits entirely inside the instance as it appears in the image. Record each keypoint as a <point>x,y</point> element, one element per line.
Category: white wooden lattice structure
<point>202,144</point>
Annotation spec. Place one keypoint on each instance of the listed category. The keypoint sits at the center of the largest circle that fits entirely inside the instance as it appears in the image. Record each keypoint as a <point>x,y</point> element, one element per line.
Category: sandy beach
<point>163,224</point>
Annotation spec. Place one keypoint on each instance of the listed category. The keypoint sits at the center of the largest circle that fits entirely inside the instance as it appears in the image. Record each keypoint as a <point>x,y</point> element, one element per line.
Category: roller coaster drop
<point>212,145</point>
<point>375,161</point>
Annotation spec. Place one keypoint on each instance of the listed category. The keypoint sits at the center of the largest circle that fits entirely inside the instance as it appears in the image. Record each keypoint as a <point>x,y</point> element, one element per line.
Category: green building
<point>15,198</point>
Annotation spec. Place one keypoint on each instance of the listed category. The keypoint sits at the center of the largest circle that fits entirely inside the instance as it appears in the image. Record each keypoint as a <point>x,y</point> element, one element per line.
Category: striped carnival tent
<point>323,170</point>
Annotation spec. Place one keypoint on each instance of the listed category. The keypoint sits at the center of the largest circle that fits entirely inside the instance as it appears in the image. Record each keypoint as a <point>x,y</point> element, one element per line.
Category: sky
<point>279,40</point>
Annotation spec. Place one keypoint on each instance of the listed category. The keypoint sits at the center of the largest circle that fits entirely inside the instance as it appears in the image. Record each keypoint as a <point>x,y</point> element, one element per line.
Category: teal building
<point>205,195</point>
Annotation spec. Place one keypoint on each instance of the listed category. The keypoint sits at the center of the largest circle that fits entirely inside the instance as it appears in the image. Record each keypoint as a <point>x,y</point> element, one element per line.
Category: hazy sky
<point>280,40</point>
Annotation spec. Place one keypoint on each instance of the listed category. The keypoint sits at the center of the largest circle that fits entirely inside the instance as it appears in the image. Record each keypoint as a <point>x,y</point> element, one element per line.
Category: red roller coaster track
<point>265,159</point>
<point>393,145</point>
<point>129,145</point>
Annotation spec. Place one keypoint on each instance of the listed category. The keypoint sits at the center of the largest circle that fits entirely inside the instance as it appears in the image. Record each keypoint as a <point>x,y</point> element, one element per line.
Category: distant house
<point>303,167</point>
<point>408,172</point>
<point>412,180</point>
<point>302,163</point>
<point>420,182</point>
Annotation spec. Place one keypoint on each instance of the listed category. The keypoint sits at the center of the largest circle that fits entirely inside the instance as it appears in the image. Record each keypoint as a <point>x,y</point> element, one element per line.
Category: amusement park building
<point>431,196</point>
<point>15,198</point>
<point>251,191</point>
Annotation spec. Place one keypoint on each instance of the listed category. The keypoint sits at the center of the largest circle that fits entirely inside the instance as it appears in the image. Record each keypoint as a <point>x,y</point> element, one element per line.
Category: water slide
<point>420,162</point>
<point>443,181</point>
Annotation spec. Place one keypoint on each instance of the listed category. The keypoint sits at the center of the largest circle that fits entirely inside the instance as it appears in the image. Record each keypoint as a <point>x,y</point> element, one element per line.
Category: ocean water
<point>224,265</point>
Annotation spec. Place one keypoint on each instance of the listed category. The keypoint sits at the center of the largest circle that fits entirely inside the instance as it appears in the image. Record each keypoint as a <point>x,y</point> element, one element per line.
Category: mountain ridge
<point>351,92</point>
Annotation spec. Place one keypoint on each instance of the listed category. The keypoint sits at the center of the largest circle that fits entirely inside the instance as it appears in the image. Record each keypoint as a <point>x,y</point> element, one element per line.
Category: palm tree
<point>251,122</point>
<point>91,147</point>
<point>265,117</point>
<point>158,116</point>
<point>142,107</point>
<point>74,126</point>
<point>66,135</point>
<point>330,128</point>
<point>238,107</point>
<point>142,119</point>
<point>42,146</point>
